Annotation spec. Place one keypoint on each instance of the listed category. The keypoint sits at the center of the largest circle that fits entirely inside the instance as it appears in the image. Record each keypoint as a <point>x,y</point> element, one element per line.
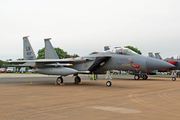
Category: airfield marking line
<point>116,109</point>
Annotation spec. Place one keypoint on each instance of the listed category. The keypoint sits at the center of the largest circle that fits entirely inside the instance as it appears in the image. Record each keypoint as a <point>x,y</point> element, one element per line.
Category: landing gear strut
<point>59,81</point>
<point>175,75</point>
<point>108,83</point>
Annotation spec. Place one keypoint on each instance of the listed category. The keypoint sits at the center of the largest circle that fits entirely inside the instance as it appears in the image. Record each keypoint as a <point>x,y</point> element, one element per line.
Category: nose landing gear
<point>108,83</point>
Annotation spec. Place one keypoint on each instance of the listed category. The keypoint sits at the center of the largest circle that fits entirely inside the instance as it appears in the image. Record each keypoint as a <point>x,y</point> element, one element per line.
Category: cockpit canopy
<point>124,51</point>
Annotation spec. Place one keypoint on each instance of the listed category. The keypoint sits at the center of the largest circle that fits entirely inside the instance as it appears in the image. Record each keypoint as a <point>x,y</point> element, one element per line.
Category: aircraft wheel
<point>108,83</point>
<point>77,79</point>
<point>145,77</point>
<point>173,78</point>
<point>59,80</point>
<point>136,77</point>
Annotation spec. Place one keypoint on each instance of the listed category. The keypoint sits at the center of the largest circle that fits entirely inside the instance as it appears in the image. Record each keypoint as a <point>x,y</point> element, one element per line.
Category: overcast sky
<point>83,26</point>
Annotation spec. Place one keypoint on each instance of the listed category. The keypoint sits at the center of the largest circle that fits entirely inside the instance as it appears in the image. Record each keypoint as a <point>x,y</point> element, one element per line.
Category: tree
<point>41,53</point>
<point>8,60</point>
<point>60,52</point>
<point>134,49</point>
<point>20,59</point>
<point>3,63</point>
<point>93,53</point>
<point>74,56</point>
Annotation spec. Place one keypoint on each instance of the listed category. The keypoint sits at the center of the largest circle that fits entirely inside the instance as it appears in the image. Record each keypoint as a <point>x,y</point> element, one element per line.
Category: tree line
<point>60,52</point>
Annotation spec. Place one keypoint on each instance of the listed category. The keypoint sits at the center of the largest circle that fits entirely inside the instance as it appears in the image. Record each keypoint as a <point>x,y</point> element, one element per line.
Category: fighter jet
<point>174,60</point>
<point>117,59</point>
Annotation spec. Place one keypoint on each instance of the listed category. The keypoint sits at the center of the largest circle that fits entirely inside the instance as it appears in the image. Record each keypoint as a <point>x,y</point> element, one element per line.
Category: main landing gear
<point>137,77</point>
<point>59,81</point>
<point>77,80</point>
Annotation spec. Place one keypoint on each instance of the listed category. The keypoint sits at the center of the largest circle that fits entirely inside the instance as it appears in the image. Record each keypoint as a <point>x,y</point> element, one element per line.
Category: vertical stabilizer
<point>157,56</point>
<point>151,54</point>
<point>50,53</point>
<point>28,53</point>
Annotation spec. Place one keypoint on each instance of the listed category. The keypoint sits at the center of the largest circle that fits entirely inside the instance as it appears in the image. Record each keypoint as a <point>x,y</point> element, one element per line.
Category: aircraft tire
<point>108,83</point>
<point>77,79</point>
<point>136,77</point>
<point>59,80</point>
<point>145,77</point>
<point>173,78</point>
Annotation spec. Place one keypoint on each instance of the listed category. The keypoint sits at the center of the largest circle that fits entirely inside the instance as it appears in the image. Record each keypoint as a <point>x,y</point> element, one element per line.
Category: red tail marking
<point>34,67</point>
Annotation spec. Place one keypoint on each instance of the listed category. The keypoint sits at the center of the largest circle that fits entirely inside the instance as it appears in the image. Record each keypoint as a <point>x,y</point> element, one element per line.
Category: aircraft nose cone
<point>155,64</point>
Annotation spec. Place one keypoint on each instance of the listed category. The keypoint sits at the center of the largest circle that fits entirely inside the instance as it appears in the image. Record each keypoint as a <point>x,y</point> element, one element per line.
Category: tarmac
<point>127,99</point>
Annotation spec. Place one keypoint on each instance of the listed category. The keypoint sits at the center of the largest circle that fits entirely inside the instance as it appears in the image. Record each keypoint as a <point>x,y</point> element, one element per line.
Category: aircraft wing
<point>68,60</point>
<point>56,62</point>
<point>52,62</point>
